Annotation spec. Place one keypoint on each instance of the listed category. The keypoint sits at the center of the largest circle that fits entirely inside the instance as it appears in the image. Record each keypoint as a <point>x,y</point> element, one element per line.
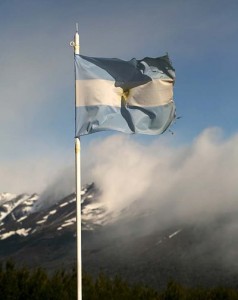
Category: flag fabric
<point>133,96</point>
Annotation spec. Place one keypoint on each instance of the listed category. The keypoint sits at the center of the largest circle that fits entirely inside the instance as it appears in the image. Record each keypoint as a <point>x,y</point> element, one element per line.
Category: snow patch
<point>22,218</point>
<point>10,205</point>
<point>41,221</point>
<point>64,204</point>
<point>67,223</point>
<point>7,197</point>
<point>21,232</point>
<point>173,234</point>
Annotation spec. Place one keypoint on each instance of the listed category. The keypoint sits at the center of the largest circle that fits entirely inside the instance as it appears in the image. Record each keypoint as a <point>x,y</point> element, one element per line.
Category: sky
<point>37,94</point>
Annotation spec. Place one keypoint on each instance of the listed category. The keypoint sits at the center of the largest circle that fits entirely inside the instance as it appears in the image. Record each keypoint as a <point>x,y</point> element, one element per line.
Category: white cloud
<point>193,181</point>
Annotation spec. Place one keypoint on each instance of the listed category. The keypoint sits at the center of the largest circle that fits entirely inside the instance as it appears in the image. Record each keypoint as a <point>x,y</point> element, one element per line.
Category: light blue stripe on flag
<point>151,120</point>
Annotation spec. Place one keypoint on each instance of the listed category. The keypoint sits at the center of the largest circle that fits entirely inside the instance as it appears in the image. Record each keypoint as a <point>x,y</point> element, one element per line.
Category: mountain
<point>31,234</point>
<point>136,244</point>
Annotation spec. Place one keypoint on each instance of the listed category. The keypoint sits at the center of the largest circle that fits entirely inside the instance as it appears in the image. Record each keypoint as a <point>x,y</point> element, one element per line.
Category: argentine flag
<point>133,96</point>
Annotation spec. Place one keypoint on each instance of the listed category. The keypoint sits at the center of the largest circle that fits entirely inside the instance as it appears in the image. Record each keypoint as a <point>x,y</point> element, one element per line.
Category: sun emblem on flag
<point>125,95</point>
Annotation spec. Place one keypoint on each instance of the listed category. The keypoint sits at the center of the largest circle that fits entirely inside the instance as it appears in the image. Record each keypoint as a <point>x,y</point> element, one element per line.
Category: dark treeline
<point>24,284</point>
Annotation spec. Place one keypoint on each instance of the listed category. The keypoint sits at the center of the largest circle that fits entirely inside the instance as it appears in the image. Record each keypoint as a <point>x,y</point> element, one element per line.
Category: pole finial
<point>75,43</point>
<point>77,27</point>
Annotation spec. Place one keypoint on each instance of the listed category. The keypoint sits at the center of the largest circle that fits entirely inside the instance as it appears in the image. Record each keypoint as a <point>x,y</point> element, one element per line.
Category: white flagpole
<point>75,44</point>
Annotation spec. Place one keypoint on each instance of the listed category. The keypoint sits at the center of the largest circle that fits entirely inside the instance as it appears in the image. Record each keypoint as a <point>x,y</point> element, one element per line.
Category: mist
<point>194,181</point>
<point>173,186</point>
<point>60,187</point>
<point>176,187</point>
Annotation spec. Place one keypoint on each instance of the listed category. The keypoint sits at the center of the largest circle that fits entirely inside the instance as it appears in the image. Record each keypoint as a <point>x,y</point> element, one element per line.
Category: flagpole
<point>75,44</point>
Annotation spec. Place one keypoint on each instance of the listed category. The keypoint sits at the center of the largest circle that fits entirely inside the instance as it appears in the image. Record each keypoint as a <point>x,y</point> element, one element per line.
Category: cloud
<point>195,181</point>
<point>172,187</point>
<point>192,183</point>
<point>189,182</point>
<point>61,186</point>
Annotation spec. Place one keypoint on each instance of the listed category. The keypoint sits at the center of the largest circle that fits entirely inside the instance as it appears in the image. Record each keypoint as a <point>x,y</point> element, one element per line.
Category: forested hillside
<point>25,284</point>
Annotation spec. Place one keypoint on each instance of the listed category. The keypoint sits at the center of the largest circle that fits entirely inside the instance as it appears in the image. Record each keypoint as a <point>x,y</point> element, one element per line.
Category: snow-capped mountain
<point>136,244</point>
<point>8,203</point>
<point>20,215</point>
